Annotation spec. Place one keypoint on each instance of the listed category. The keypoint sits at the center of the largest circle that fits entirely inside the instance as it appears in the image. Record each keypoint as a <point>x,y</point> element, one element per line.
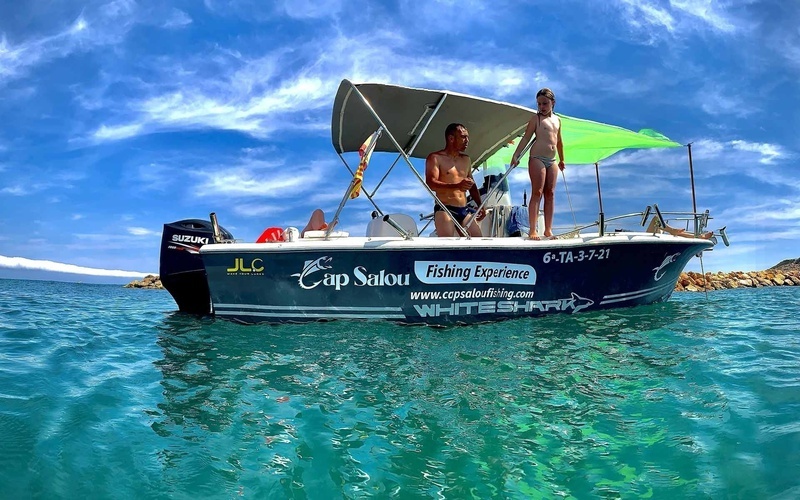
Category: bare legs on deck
<point>316,222</point>
<point>655,227</point>
<point>543,183</point>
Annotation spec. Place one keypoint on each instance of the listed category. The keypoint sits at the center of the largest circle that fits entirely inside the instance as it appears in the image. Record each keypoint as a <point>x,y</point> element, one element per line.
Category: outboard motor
<point>181,268</point>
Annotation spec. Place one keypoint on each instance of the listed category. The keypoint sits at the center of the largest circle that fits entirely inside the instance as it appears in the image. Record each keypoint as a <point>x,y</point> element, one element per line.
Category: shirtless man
<point>541,165</point>
<point>448,173</point>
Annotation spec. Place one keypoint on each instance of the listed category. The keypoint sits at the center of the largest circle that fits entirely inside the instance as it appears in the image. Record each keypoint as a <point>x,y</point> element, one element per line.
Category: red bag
<point>271,235</point>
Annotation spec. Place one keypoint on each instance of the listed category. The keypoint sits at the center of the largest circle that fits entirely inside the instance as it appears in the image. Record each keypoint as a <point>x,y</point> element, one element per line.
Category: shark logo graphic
<point>577,302</point>
<point>659,271</point>
<point>312,266</point>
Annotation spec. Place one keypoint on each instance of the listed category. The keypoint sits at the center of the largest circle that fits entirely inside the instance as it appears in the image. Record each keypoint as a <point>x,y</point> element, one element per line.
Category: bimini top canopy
<point>492,125</point>
<point>405,112</point>
<point>587,142</point>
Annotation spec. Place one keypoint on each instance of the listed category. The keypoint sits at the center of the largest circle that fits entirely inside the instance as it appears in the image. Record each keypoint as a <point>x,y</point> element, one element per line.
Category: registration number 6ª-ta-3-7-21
<point>567,256</point>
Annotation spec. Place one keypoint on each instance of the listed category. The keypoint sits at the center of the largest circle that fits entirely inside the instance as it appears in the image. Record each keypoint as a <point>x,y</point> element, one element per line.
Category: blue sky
<point>119,116</point>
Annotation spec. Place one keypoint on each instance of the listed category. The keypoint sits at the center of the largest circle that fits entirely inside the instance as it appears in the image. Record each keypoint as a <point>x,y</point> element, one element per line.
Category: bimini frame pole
<point>417,137</point>
<point>403,153</point>
<point>413,145</point>
<point>694,199</point>
<point>697,227</point>
<point>497,184</point>
<point>600,199</point>
<point>349,190</point>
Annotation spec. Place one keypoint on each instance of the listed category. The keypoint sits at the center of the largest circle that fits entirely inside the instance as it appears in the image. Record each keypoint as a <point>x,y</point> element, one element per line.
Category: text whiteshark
<point>572,304</point>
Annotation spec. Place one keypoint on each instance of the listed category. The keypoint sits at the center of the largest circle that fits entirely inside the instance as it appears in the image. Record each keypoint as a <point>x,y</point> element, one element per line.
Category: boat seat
<point>317,235</point>
<point>378,228</point>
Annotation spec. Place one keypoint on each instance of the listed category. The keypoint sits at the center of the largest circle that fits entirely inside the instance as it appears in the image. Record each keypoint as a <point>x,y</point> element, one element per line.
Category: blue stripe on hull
<point>665,289</point>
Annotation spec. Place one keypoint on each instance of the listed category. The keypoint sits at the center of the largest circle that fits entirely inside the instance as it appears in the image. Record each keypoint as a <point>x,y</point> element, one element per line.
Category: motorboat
<point>396,272</point>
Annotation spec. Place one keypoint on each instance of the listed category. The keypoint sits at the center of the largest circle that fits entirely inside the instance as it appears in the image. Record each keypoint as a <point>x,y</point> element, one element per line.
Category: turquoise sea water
<point>107,392</point>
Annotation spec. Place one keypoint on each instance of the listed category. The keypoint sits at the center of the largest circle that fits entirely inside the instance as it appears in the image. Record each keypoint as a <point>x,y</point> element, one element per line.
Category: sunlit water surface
<point>107,392</point>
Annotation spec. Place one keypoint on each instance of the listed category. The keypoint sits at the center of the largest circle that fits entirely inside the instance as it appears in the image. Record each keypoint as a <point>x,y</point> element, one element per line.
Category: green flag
<point>588,142</point>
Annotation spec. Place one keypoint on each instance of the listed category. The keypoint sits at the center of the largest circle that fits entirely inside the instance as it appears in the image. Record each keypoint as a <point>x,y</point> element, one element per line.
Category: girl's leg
<point>537,172</point>
<point>549,191</point>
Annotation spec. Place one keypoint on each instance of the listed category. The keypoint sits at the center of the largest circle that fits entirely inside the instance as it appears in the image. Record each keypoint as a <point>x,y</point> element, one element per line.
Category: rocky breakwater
<point>149,281</point>
<point>787,273</point>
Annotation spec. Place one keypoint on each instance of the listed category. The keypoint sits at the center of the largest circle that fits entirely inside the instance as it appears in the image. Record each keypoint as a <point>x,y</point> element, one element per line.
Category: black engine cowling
<point>181,267</point>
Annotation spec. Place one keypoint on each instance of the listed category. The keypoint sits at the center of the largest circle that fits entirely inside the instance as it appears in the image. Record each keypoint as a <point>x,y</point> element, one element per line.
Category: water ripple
<point>104,392</point>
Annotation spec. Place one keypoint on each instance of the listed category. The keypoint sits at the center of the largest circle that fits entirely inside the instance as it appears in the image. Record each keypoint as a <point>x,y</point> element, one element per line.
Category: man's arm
<point>432,173</point>
<point>476,195</point>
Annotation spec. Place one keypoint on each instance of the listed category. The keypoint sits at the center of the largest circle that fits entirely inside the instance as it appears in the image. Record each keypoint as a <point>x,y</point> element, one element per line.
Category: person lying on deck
<point>655,227</point>
<point>448,174</point>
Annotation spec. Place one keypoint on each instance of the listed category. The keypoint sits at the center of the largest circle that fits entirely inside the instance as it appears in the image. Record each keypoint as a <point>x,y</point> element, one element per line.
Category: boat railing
<point>699,218</point>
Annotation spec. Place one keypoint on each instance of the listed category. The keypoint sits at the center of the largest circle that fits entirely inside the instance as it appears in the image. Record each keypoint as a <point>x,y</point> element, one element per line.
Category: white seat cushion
<point>378,228</point>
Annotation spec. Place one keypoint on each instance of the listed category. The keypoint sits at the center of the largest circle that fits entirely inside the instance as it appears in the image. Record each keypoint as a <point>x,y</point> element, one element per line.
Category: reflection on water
<point>602,403</point>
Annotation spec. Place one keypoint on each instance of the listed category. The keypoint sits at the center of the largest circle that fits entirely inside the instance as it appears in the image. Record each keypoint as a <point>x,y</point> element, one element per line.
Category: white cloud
<point>787,44</point>
<point>141,231</point>
<point>12,59</point>
<point>115,133</point>
<point>768,152</point>
<point>710,12</point>
<point>156,176</point>
<point>261,179</point>
<point>777,212</point>
<point>79,25</point>
<point>17,60</point>
<point>711,157</point>
<point>655,21</point>
<point>645,14</point>
<point>762,152</point>
<point>92,28</point>
<point>17,190</point>
<point>308,9</point>
<point>466,14</point>
<point>176,19</point>
<point>400,185</point>
<point>46,265</point>
<point>255,97</point>
<point>259,209</point>
<point>717,100</point>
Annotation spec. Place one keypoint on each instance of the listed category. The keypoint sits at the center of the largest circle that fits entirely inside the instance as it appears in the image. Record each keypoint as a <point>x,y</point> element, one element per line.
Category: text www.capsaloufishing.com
<point>489,293</point>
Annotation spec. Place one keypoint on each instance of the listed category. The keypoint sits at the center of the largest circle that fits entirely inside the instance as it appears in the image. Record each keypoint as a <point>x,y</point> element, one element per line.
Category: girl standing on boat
<point>541,165</point>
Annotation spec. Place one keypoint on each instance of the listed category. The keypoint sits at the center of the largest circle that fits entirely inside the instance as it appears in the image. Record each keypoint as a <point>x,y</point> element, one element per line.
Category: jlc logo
<point>253,267</point>
<point>338,280</point>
